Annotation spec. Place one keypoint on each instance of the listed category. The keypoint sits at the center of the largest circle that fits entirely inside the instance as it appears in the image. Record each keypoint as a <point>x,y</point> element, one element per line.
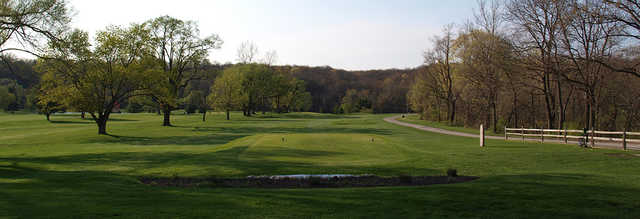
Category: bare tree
<point>247,52</point>
<point>540,22</point>
<point>489,16</point>
<point>587,42</point>
<point>627,14</point>
<point>440,59</point>
<point>270,57</point>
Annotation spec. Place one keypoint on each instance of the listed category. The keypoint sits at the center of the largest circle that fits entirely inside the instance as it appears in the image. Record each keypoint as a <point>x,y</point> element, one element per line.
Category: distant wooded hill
<point>332,90</point>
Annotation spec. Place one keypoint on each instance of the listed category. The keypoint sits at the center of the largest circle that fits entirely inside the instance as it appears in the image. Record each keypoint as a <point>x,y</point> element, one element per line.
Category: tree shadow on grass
<point>239,159</point>
<point>212,139</point>
<point>293,116</point>
<point>223,135</point>
<point>286,130</point>
<point>302,116</point>
<point>70,122</point>
<point>120,120</point>
<point>88,121</point>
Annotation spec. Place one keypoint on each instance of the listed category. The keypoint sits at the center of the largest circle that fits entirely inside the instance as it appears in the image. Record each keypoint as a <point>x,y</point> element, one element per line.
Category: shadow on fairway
<point>86,120</point>
<point>71,122</point>
<point>267,130</point>
<point>243,162</point>
<point>295,116</point>
<point>317,116</point>
<point>223,135</point>
<point>213,139</point>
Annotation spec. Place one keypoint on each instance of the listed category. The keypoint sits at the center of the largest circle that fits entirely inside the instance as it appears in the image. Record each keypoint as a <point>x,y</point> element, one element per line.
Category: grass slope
<point>63,169</point>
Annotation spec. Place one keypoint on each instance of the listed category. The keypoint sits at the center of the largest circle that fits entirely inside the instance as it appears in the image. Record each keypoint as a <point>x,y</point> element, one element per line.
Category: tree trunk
<point>48,115</point>
<point>102,127</point>
<point>452,117</point>
<point>167,116</point>
<point>549,103</point>
<point>560,104</point>
<point>514,109</point>
<point>587,111</point>
<point>495,116</point>
<point>532,121</point>
<point>204,116</point>
<point>227,114</point>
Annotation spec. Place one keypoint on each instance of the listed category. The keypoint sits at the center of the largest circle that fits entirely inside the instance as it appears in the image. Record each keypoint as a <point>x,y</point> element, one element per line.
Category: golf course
<point>63,169</point>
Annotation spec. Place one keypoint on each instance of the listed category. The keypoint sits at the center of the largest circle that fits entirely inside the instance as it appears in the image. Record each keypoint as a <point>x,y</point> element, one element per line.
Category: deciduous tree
<point>226,93</point>
<point>177,45</point>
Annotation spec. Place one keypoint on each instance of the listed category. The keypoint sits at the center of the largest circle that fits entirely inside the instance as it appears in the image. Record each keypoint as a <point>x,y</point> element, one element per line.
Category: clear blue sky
<point>349,34</point>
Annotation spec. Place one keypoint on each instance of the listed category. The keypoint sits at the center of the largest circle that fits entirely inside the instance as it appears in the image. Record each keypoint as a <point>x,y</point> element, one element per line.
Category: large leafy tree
<point>6,98</point>
<point>256,86</point>
<point>97,80</point>
<point>177,45</point>
<point>47,96</point>
<point>226,92</point>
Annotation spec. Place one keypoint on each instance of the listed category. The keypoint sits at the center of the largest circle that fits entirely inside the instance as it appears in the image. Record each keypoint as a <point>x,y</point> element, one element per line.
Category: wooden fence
<point>565,135</point>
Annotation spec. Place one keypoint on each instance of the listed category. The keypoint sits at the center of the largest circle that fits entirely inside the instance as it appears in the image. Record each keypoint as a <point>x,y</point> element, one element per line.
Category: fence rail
<point>590,136</point>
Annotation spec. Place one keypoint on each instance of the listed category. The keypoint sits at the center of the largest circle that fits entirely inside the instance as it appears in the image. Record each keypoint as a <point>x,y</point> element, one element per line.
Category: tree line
<point>313,89</point>
<point>529,63</point>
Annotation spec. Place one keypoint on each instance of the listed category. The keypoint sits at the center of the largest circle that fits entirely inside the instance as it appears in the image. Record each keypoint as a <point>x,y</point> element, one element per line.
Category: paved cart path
<point>394,120</point>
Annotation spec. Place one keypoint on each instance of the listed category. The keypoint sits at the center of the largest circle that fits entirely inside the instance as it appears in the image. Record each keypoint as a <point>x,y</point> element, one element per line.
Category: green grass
<point>63,169</point>
<point>415,119</point>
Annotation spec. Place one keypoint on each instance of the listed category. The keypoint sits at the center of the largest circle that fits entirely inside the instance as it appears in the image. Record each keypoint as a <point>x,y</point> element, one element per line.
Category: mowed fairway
<point>63,169</point>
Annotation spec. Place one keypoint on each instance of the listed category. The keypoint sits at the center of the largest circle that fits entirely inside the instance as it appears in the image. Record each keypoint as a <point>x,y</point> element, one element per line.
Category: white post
<point>481,136</point>
<point>505,134</point>
<point>593,140</point>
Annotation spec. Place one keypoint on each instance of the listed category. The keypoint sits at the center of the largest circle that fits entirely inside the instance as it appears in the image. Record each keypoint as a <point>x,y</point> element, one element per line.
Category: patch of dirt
<point>335,182</point>
<point>624,155</point>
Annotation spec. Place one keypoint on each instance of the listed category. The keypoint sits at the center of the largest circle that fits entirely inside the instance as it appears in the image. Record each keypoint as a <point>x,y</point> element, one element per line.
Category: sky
<point>345,34</point>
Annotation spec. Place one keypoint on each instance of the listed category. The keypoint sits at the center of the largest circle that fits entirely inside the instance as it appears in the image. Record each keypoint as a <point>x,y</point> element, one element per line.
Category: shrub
<point>316,181</point>
<point>134,107</point>
<point>405,179</point>
<point>190,108</point>
<point>452,172</point>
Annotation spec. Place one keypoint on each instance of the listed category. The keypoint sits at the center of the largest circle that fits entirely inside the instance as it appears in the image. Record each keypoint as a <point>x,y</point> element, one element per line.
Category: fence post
<point>542,135</point>
<point>481,136</point>
<point>624,139</point>
<point>565,135</point>
<point>593,140</point>
<point>505,134</point>
<point>522,134</point>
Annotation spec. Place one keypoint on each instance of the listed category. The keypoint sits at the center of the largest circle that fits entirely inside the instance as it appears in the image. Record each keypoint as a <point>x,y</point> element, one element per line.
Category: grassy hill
<point>62,169</point>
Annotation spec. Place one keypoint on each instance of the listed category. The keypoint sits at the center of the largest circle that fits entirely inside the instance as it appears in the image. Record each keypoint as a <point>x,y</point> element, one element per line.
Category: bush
<point>452,172</point>
<point>134,107</point>
<point>405,179</point>
<point>190,108</point>
<point>316,181</point>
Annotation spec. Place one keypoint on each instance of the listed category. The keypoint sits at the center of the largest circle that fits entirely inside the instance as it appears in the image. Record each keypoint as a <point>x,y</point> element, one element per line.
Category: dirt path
<point>394,120</point>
